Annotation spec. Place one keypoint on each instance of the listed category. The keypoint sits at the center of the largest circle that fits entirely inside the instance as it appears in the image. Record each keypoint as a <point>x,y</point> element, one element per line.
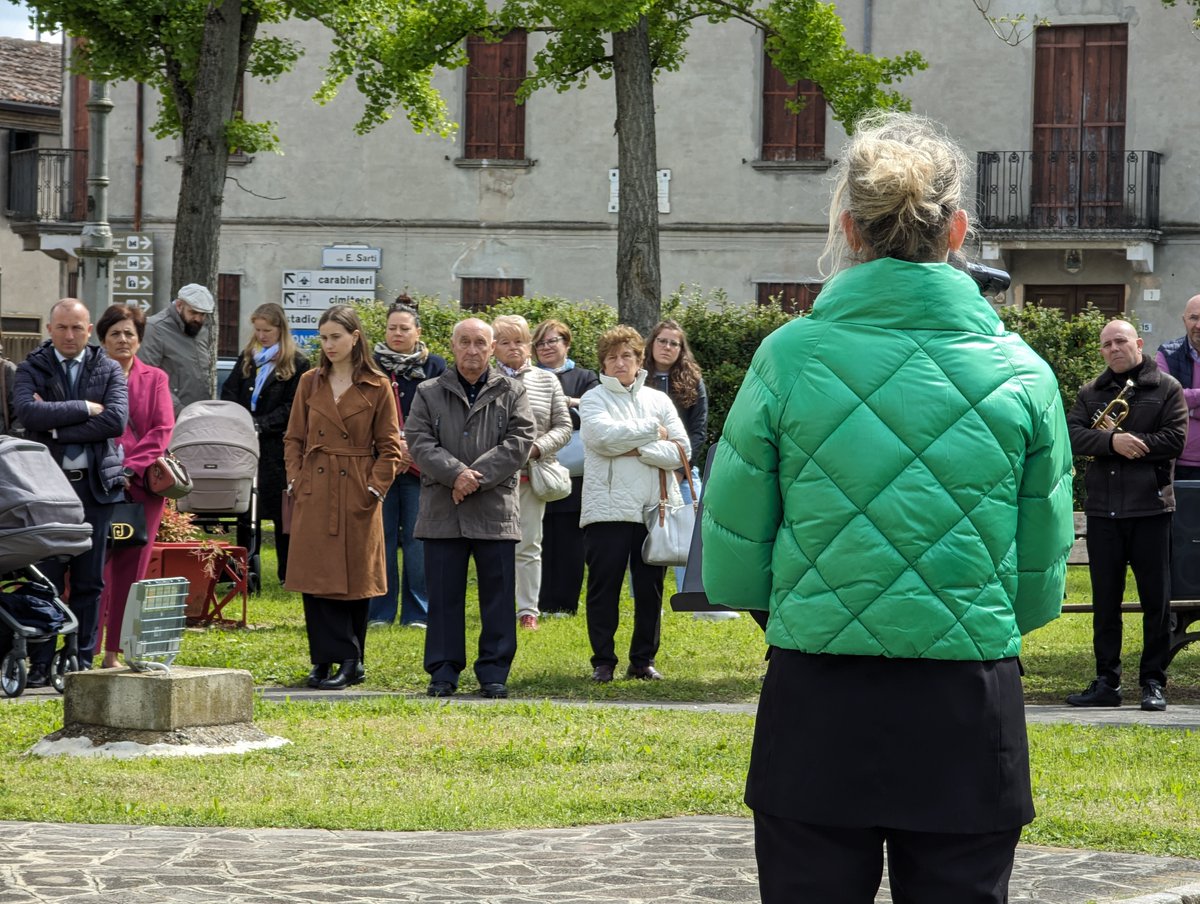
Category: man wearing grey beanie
<point>178,340</point>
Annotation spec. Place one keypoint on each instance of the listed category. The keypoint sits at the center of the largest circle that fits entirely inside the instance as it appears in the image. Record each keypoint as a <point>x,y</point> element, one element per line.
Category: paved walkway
<point>692,860</point>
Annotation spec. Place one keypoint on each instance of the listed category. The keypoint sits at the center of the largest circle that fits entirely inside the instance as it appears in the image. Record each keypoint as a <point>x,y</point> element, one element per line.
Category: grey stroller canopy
<point>40,515</point>
<point>217,443</point>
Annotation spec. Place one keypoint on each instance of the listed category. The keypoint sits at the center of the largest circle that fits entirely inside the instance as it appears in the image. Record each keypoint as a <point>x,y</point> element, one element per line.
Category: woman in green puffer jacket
<point>896,473</point>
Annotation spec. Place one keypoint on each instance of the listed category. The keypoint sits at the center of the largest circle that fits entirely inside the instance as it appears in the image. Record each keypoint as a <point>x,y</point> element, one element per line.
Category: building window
<point>479,294</point>
<point>494,127</point>
<point>229,315</point>
<point>794,298</point>
<point>788,136</point>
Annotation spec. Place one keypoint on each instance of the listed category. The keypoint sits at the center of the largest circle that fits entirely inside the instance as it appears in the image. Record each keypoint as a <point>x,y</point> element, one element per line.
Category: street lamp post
<point>96,250</point>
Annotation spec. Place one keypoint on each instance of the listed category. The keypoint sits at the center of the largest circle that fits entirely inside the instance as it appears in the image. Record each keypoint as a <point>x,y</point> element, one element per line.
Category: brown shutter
<point>494,123</point>
<point>794,298</point>
<point>787,135</point>
<point>1079,126</point>
<point>229,314</point>
<point>479,294</point>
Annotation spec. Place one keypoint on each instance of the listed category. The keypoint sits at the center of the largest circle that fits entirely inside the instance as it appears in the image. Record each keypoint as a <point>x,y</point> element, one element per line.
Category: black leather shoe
<point>320,671</point>
<point>643,673</point>
<point>440,689</point>
<point>344,678</point>
<point>602,673</point>
<point>494,690</point>
<point>39,676</point>
<point>1098,693</point>
<point>1152,697</point>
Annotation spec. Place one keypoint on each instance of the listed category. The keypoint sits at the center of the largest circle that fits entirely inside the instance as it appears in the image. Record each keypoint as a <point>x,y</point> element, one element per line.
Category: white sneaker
<point>379,624</point>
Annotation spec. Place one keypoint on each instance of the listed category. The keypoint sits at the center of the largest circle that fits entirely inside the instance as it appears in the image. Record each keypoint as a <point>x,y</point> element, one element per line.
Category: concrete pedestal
<point>159,701</point>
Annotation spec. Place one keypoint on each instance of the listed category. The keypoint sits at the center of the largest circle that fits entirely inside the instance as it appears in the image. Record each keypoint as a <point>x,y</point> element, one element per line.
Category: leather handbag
<point>669,526</point>
<point>549,480</point>
<point>167,477</point>
<point>128,527</point>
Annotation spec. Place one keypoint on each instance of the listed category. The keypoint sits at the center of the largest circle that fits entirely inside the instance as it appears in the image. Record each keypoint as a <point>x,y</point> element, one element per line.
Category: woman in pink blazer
<point>151,420</point>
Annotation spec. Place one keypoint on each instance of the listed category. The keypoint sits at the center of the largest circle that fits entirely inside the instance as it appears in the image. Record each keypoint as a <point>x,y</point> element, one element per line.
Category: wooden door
<point>1079,127</point>
<point>1071,300</point>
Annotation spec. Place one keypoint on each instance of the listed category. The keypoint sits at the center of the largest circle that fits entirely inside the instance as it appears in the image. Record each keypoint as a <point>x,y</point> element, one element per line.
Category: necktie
<point>71,450</point>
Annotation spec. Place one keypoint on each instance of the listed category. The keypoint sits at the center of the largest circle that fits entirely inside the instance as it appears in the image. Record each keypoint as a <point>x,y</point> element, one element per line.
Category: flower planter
<point>180,560</point>
<point>188,560</point>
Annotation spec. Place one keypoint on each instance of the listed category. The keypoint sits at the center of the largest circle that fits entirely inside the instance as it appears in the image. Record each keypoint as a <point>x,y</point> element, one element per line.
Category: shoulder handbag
<point>412,467</point>
<point>167,477</point>
<point>669,526</point>
<point>570,456</point>
<point>549,480</point>
<point>128,526</point>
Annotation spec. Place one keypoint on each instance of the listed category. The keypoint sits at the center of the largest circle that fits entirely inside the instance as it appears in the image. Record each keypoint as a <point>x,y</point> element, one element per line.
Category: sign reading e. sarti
<point>356,256</point>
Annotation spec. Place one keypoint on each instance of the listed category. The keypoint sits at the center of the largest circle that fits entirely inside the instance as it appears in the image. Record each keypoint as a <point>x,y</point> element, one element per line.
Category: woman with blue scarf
<point>264,382</point>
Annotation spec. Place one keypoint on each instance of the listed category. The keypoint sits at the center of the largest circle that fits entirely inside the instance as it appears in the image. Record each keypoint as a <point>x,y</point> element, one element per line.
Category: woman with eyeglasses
<point>562,537</point>
<point>674,371</point>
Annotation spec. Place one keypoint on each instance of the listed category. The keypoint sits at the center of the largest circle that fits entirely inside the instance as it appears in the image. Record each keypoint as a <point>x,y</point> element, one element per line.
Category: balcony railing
<point>47,185</point>
<point>1068,190</point>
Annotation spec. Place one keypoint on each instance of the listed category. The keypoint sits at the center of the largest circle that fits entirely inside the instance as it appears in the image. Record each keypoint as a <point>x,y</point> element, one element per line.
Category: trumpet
<point>1115,411</point>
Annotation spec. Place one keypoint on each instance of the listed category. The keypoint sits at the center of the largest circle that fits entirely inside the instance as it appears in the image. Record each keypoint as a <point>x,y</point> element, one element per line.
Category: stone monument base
<point>186,711</point>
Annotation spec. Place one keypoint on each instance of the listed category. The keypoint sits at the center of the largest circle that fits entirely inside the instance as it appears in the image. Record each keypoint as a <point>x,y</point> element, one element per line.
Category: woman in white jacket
<point>629,435</point>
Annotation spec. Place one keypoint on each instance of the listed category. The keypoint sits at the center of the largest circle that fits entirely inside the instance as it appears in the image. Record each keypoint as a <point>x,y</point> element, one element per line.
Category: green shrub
<point>587,320</point>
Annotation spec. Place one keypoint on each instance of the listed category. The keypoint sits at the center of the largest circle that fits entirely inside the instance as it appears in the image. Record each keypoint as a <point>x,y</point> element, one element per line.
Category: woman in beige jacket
<point>552,421</point>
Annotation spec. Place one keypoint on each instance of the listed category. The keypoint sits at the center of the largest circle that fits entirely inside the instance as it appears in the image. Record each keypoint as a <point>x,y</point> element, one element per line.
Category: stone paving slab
<point>690,860</point>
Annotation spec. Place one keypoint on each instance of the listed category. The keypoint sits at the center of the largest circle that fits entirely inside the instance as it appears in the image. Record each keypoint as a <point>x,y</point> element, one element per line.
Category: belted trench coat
<point>332,452</point>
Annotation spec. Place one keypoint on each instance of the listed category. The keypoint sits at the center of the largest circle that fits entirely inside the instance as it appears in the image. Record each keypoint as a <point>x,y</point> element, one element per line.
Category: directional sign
<point>329,279</point>
<point>133,269</point>
<point>317,299</point>
<point>357,256</point>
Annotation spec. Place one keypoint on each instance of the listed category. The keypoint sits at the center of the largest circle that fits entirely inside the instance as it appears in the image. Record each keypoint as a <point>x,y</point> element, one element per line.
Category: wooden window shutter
<point>794,298</point>
<point>479,294</point>
<point>494,123</point>
<point>229,314</point>
<point>787,135</point>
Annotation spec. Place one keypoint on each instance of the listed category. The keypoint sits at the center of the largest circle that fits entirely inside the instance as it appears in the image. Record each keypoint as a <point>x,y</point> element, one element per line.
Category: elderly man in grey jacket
<point>179,340</point>
<point>469,431</point>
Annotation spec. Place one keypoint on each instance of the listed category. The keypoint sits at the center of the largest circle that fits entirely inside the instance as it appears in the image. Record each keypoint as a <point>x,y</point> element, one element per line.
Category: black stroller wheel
<point>59,666</point>
<point>12,675</point>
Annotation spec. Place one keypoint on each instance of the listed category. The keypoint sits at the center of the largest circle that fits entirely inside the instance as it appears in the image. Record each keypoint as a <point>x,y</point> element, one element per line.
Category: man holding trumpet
<point>1131,421</point>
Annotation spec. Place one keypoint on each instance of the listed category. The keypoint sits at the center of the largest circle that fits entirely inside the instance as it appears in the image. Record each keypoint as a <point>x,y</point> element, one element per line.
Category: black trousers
<point>562,555</point>
<point>801,863</point>
<point>446,631</point>
<point>1186,472</point>
<point>1144,544</point>
<point>610,547</point>
<point>337,629</point>
<point>86,572</point>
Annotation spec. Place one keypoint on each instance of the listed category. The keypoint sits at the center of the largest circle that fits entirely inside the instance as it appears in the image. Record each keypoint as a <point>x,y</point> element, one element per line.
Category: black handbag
<point>128,526</point>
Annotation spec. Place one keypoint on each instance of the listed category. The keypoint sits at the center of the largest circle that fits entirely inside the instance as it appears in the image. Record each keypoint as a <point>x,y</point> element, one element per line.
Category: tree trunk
<point>228,33</point>
<point>639,290</point>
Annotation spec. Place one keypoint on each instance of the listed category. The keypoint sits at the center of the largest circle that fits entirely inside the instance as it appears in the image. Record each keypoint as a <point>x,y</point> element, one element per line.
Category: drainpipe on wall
<point>138,158</point>
<point>868,15</point>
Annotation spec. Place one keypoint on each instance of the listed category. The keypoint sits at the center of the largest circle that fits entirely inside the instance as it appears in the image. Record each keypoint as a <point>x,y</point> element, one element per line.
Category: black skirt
<point>867,741</point>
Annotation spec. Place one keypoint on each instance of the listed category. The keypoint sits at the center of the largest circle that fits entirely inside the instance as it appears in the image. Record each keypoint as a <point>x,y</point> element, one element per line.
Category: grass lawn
<point>412,763</point>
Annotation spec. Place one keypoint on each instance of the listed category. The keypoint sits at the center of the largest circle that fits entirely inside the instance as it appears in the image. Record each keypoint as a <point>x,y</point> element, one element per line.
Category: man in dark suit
<point>72,397</point>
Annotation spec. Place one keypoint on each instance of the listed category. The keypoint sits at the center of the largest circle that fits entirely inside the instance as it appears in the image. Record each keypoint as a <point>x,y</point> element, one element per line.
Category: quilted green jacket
<point>894,477</point>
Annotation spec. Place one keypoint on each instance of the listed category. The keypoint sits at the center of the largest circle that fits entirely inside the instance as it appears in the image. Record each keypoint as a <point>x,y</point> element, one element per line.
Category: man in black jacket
<point>73,398</point>
<point>1129,504</point>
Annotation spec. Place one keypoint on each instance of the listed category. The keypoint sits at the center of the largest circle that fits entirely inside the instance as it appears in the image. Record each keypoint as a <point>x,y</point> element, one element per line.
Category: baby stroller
<point>217,443</point>
<point>40,518</point>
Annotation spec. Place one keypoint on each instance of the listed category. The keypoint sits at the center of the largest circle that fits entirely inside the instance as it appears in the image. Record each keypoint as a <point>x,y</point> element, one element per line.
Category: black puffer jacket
<point>1119,487</point>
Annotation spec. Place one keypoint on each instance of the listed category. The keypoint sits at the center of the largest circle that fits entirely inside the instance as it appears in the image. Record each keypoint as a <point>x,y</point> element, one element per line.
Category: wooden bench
<point>1184,613</point>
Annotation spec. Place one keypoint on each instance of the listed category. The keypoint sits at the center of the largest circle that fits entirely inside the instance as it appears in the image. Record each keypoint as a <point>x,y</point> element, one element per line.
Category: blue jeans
<point>400,517</point>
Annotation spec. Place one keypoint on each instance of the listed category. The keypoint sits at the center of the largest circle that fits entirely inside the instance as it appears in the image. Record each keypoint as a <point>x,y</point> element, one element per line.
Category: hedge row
<point>724,335</point>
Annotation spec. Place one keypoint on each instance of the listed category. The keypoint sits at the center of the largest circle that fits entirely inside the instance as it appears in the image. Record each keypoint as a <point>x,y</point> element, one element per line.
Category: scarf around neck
<point>401,366</point>
<point>570,365</point>
<point>264,360</point>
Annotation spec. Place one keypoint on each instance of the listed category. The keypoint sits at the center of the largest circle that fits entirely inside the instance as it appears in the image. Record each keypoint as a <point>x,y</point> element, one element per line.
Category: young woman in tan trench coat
<point>341,451</point>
